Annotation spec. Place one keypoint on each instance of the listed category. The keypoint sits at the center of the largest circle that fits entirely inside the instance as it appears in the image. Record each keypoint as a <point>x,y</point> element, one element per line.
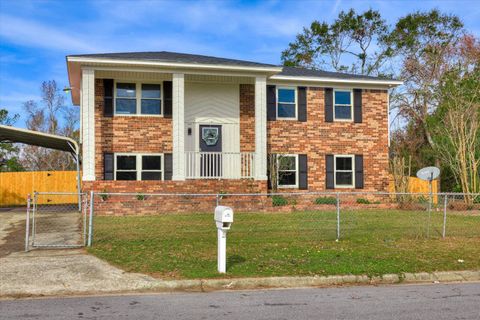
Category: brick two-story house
<point>181,123</point>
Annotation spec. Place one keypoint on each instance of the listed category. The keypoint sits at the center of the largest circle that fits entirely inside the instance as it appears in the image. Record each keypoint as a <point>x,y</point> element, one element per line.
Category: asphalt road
<point>436,301</point>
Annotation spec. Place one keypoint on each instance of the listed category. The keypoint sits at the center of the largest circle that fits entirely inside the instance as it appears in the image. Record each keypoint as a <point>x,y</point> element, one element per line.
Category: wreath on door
<point>210,136</point>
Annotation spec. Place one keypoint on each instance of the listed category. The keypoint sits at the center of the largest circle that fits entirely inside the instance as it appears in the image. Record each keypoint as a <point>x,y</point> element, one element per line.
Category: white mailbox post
<point>223,220</point>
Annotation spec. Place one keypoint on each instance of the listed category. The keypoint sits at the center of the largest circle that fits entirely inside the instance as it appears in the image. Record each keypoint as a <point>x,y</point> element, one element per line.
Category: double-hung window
<point>126,167</point>
<point>138,99</point>
<point>287,167</point>
<point>126,98</point>
<point>342,105</point>
<point>138,167</point>
<point>286,103</point>
<point>344,171</point>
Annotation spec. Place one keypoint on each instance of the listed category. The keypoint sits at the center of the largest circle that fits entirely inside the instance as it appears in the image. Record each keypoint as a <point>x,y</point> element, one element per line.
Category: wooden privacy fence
<point>15,186</point>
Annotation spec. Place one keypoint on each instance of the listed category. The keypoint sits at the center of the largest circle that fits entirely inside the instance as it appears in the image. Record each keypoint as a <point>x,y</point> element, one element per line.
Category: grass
<point>373,242</point>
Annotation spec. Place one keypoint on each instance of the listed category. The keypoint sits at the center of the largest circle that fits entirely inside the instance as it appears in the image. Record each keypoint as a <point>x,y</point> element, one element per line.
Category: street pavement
<point>428,302</point>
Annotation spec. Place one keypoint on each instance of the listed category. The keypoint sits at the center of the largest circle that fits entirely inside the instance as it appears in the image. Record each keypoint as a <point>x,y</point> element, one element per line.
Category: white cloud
<point>30,33</point>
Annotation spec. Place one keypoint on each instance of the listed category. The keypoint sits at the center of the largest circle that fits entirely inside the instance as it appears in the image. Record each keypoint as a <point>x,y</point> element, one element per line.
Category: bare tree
<point>52,116</point>
<point>456,127</point>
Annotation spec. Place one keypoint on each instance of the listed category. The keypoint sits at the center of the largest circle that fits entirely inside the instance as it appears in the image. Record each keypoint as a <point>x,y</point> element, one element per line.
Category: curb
<point>207,285</point>
<point>314,281</point>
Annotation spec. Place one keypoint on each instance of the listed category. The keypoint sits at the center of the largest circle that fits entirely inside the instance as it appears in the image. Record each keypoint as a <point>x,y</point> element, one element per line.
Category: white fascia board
<point>389,83</point>
<point>175,64</point>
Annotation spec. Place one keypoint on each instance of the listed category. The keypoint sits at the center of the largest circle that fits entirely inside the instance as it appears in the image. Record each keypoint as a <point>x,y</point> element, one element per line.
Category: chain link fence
<point>56,220</point>
<point>174,235</point>
<point>313,216</point>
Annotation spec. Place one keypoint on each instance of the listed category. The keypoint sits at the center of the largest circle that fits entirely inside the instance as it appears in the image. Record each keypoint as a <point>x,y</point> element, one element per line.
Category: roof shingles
<point>175,57</point>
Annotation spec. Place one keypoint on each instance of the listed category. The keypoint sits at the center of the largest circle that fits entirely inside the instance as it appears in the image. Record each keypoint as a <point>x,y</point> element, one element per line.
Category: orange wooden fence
<point>416,185</point>
<point>15,186</point>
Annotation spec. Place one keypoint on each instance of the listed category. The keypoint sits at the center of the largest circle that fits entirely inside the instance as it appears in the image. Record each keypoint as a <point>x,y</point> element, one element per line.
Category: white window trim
<point>296,172</point>
<point>138,166</point>
<point>277,102</point>
<point>345,105</point>
<point>335,170</point>
<point>138,98</point>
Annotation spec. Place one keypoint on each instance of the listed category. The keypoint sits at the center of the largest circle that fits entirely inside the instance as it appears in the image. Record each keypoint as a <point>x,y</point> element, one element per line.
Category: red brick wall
<point>149,134</point>
<point>316,138</point>
<point>247,118</point>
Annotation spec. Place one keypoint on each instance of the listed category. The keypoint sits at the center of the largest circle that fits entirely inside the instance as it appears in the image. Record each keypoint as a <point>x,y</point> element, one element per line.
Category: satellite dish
<point>428,173</point>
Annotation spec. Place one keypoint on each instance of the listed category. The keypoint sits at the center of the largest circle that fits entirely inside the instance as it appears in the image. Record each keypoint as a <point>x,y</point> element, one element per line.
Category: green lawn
<point>372,242</point>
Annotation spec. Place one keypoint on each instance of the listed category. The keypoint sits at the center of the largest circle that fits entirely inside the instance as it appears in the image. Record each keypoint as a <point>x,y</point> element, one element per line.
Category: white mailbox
<point>223,220</point>
<point>223,217</point>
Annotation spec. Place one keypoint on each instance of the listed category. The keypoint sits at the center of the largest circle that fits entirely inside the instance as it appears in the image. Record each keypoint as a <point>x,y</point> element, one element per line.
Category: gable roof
<point>186,62</point>
<point>174,57</point>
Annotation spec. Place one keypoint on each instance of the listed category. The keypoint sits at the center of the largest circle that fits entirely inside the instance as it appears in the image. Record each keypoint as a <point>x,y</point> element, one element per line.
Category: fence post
<point>27,223</point>
<point>34,222</point>
<point>444,216</point>
<point>90,220</point>
<point>338,216</point>
<point>84,213</point>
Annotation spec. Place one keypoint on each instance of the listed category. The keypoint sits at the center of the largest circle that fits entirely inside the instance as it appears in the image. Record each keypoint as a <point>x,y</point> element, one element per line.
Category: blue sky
<point>36,35</point>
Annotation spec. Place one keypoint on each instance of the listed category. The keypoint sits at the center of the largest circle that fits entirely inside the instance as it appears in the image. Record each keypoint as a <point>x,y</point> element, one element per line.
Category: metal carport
<point>40,139</point>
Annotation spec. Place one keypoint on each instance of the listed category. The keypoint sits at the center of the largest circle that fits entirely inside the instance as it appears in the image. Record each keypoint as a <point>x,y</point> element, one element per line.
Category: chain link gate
<point>56,220</point>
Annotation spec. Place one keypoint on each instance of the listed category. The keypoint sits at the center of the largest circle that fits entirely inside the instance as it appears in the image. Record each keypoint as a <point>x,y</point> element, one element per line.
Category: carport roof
<point>36,138</point>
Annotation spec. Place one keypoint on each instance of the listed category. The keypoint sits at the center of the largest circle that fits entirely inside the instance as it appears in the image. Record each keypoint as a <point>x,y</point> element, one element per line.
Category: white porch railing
<point>219,165</point>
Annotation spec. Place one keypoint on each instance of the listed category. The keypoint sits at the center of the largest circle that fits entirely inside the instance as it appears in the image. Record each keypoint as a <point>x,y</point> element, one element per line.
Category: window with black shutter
<point>357,105</point>
<point>359,171</point>
<point>330,171</point>
<point>271,103</point>
<point>302,104</point>
<point>108,166</point>
<point>108,97</point>
<point>328,93</point>
<point>302,172</point>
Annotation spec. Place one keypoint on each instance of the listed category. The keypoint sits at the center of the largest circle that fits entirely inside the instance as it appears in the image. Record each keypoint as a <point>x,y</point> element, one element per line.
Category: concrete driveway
<point>47,272</point>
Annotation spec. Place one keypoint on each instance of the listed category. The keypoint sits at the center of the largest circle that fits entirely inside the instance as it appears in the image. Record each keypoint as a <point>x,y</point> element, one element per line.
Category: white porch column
<point>178,117</point>
<point>87,102</point>
<point>260,128</point>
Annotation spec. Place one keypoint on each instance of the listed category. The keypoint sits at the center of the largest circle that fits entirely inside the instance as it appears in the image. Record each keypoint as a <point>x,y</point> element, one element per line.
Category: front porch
<point>219,165</point>
<point>219,127</point>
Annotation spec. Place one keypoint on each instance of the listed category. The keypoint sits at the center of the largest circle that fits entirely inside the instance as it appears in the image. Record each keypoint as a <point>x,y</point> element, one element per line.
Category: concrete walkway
<point>55,272</point>
<point>63,272</point>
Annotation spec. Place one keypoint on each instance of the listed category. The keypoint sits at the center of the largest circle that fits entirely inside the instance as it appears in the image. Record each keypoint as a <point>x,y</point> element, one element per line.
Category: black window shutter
<point>302,104</point>
<point>358,172</point>
<point>328,105</point>
<point>167,166</point>
<point>330,174</point>
<point>108,165</point>
<point>271,103</point>
<point>303,172</point>
<point>108,97</point>
<point>167,99</point>
<point>357,105</point>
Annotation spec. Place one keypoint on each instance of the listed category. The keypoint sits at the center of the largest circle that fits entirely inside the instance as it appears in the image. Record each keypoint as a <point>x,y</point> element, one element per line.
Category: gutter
<point>390,83</point>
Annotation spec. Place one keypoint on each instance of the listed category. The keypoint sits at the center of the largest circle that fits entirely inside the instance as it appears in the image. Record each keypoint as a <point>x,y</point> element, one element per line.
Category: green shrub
<point>104,197</point>
<point>363,201</point>
<point>141,196</point>
<point>423,200</point>
<point>279,201</point>
<point>326,200</point>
